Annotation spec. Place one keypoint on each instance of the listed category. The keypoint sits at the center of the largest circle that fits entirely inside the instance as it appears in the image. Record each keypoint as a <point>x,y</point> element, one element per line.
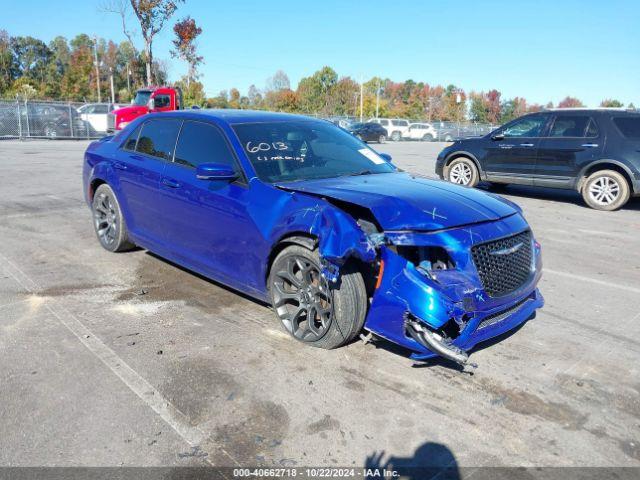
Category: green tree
<point>8,66</point>
<point>313,92</point>
<point>610,103</point>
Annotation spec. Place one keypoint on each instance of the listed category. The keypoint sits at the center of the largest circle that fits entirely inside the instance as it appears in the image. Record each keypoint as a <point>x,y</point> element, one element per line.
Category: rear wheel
<point>462,171</point>
<point>427,137</point>
<point>606,190</point>
<point>310,309</point>
<point>108,221</point>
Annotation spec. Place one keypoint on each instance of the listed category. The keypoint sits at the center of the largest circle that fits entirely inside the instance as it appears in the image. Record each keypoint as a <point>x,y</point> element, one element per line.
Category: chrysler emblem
<point>508,251</point>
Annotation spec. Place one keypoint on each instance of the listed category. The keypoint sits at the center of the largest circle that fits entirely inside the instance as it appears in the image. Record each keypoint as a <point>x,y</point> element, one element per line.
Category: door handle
<point>506,147</point>
<point>590,145</point>
<point>526,144</point>
<point>120,166</point>
<point>170,183</point>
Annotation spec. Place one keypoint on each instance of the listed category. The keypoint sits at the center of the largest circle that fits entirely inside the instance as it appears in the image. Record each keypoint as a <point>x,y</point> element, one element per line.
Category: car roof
<point>241,116</point>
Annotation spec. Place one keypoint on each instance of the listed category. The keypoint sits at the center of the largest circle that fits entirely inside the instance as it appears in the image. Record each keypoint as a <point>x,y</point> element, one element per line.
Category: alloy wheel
<point>604,190</point>
<point>460,174</point>
<point>302,299</point>
<point>105,218</point>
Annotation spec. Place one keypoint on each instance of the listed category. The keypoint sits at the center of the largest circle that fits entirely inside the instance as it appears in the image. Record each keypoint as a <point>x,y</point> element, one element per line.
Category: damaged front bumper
<point>448,312</point>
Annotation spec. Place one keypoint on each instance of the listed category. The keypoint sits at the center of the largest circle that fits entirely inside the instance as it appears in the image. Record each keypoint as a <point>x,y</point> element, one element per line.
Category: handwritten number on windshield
<point>265,147</point>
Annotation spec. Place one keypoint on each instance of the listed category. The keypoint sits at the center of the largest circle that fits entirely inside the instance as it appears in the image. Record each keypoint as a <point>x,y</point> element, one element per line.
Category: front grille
<point>504,265</point>
<point>500,316</point>
<point>111,122</point>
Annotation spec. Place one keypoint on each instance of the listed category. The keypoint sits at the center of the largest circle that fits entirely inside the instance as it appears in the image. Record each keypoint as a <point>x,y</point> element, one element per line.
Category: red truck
<point>147,100</point>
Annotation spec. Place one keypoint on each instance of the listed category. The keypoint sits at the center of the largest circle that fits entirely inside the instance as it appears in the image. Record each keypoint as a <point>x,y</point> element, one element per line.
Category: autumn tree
<point>186,31</point>
<point>610,103</point>
<point>570,102</point>
<point>152,15</point>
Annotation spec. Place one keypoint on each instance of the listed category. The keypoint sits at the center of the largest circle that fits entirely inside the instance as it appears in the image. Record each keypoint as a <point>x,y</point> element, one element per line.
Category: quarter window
<point>526,127</point>
<point>384,122</point>
<point>202,143</point>
<point>628,126</point>
<point>158,138</point>
<point>570,126</point>
<point>130,144</point>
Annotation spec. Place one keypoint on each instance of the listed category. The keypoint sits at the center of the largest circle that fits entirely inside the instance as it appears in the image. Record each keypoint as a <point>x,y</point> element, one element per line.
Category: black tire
<point>606,190</point>
<point>347,300</point>
<point>108,221</point>
<point>382,138</point>
<point>462,171</point>
<point>427,138</point>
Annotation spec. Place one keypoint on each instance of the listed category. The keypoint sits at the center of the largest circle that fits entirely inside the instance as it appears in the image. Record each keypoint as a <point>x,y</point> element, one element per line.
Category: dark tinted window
<point>526,127</point>
<point>629,126</point>
<point>569,126</point>
<point>130,144</point>
<point>592,129</point>
<point>201,143</point>
<point>161,101</point>
<point>158,137</point>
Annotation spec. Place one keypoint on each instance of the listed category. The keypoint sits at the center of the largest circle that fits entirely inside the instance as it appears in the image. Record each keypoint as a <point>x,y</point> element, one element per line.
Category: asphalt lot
<point>125,359</point>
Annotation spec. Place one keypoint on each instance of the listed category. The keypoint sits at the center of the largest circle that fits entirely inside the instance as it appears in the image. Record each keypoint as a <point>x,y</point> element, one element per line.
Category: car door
<point>511,152</point>
<point>139,165</point>
<point>574,140</point>
<point>206,222</point>
<point>98,117</point>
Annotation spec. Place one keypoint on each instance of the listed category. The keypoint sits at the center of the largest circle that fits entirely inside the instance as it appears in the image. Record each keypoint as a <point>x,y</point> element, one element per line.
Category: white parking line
<point>617,286</point>
<point>177,420</point>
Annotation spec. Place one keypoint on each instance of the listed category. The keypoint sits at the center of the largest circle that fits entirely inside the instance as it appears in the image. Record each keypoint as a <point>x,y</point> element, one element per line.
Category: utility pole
<point>378,100</point>
<point>128,81</point>
<point>95,53</point>
<point>361,100</point>
<point>113,96</point>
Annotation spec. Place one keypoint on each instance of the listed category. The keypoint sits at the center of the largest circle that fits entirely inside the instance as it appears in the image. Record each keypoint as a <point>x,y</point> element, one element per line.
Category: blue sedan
<point>298,213</point>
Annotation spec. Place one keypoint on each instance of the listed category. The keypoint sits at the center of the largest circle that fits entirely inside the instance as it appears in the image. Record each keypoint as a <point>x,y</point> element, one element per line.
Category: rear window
<point>570,126</point>
<point>628,126</point>
<point>158,137</point>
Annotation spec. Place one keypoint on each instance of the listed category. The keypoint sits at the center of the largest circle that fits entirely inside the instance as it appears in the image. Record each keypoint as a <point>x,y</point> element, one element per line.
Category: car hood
<point>400,201</point>
<point>135,110</point>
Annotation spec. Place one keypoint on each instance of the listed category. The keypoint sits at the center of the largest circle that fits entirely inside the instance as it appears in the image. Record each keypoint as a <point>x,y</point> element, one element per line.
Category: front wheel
<point>606,190</point>
<point>108,221</point>
<point>396,136</point>
<point>462,171</point>
<point>382,138</point>
<point>312,310</point>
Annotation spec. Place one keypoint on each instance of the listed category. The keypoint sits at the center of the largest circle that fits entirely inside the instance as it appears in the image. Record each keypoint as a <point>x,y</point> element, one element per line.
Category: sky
<point>541,50</point>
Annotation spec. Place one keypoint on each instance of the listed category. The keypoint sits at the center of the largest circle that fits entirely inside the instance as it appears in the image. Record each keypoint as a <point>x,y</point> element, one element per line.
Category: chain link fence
<point>50,119</point>
<point>75,120</point>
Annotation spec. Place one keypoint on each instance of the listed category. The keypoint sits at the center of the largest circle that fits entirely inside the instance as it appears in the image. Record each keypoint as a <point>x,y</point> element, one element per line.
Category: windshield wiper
<point>357,174</point>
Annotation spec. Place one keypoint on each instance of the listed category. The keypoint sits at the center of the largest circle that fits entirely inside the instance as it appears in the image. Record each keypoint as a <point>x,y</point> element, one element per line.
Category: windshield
<point>142,98</point>
<point>355,126</point>
<point>306,150</point>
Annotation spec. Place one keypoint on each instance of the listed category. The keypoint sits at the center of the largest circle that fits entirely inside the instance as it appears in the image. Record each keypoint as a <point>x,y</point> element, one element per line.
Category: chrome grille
<point>503,265</point>
<point>500,316</point>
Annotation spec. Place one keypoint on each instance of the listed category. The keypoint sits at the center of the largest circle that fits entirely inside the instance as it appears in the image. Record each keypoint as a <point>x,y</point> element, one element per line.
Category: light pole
<point>113,96</point>
<point>361,100</point>
<point>378,100</point>
<point>95,53</point>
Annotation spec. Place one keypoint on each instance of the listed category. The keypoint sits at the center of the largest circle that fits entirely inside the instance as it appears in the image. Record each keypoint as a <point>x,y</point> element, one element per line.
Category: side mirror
<point>498,136</point>
<point>215,171</point>
<point>385,156</point>
<point>151,104</point>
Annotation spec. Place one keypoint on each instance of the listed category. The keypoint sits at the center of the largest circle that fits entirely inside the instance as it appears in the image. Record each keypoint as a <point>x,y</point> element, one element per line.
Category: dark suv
<point>596,152</point>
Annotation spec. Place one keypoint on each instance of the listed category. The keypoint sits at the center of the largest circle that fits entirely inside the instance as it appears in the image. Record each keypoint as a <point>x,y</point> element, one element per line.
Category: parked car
<point>422,131</point>
<point>451,132</point>
<point>147,100</point>
<point>97,114</point>
<point>396,128</point>
<point>368,132</point>
<point>596,152</point>
<point>299,213</point>
<point>53,121</point>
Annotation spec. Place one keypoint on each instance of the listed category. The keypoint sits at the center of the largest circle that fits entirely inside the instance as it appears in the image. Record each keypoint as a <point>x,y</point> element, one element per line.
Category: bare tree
<point>151,14</point>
